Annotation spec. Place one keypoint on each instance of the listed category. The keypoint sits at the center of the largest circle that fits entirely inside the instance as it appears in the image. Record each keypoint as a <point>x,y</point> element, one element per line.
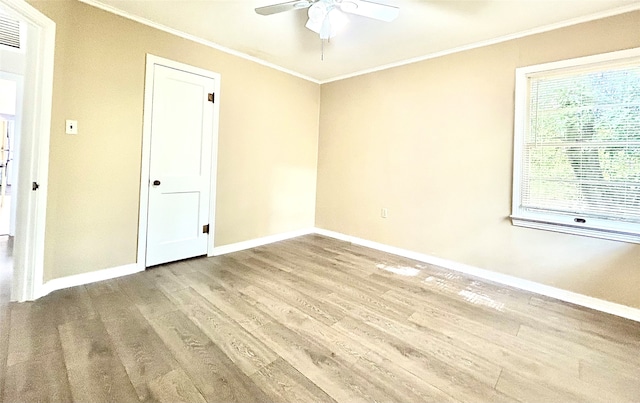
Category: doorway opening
<point>11,87</point>
<point>12,69</point>
<point>10,127</point>
<point>25,145</point>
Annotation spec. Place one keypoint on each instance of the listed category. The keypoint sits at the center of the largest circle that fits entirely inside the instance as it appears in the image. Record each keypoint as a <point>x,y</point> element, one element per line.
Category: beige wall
<point>432,142</point>
<point>268,138</point>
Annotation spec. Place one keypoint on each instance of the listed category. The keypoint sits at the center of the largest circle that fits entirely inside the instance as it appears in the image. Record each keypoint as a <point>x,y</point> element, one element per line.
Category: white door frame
<point>146,150</point>
<point>28,252</point>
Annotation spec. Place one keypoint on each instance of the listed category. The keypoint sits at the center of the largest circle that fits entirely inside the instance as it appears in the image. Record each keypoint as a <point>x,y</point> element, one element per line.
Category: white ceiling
<point>424,28</point>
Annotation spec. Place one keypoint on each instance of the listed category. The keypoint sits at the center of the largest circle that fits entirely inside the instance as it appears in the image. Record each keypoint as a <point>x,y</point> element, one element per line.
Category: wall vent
<point>9,32</point>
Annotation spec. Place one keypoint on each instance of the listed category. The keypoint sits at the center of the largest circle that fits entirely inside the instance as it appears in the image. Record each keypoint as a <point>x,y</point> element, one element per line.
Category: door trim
<point>28,252</point>
<point>146,150</point>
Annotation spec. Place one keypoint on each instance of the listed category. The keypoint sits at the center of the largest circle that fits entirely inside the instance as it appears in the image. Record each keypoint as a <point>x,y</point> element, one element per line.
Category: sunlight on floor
<point>480,299</point>
<point>403,271</point>
<point>467,293</point>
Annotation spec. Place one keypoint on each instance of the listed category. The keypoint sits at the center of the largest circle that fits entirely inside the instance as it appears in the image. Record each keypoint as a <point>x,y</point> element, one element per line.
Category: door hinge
<point>205,229</point>
<point>211,97</point>
<point>35,186</point>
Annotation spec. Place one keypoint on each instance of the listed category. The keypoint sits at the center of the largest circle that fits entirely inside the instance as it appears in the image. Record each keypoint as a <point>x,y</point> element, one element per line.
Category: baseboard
<point>253,243</point>
<point>500,278</point>
<point>86,278</point>
<point>335,235</point>
<point>106,274</point>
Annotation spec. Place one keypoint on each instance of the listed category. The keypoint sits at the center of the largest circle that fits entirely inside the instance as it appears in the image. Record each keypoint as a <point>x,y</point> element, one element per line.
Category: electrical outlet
<point>72,127</point>
<point>384,212</point>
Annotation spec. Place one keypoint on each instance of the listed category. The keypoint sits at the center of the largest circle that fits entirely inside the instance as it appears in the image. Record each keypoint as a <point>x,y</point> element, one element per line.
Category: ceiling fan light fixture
<point>338,21</point>
<point>348,6</point>
<point>315,26</point>
<point>328,17</point>
<point>326,20</point>
<point>317,12</point>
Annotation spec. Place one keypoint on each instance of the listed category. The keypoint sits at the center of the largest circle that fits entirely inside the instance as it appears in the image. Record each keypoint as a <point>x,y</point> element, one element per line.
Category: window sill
<point>584,230</point>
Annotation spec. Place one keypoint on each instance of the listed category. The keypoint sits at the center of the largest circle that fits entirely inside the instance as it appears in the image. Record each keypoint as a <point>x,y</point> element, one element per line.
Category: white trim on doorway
<point>146,150</point>
<point>28,250</point>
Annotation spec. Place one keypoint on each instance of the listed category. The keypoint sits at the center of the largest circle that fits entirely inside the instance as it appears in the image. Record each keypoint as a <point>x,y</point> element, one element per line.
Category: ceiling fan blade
<point>282,7</point>
<point>370,9</point>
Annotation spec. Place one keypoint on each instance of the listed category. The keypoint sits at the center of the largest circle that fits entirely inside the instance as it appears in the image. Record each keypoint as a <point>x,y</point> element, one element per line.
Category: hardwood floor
<point>312,319</point>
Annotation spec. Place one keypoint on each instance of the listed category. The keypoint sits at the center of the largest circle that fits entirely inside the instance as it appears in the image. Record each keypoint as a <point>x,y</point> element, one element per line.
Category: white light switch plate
<point>72,127</point>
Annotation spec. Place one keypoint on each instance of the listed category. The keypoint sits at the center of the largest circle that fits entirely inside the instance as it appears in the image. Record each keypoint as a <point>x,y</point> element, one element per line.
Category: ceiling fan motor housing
<point>327,18</point>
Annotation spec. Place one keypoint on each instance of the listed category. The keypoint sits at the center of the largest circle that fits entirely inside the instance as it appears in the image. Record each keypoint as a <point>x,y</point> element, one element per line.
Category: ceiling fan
<point>327,18</point>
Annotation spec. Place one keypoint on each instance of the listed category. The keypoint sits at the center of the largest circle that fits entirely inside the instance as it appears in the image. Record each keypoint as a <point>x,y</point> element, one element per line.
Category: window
<point>577,146</point>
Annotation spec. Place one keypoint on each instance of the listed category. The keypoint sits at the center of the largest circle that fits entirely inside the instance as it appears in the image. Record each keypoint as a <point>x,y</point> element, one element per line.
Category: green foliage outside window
<point>582,148</point>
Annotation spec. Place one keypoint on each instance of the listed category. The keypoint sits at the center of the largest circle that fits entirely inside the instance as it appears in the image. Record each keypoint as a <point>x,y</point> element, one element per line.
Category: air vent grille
<point>9,32</point>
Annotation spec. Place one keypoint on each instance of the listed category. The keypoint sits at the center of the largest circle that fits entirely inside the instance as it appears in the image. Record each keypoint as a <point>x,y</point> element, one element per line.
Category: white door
<point>180,165</point>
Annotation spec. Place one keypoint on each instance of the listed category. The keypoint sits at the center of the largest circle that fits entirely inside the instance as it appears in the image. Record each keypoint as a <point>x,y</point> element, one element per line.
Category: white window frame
<point>561,222</point>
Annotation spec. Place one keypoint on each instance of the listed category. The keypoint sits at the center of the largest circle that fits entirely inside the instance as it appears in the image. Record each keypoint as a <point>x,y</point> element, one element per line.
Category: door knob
<point>156,183</point>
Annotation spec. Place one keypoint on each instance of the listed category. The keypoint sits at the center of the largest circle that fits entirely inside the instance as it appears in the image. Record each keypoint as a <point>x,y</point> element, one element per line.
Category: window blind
<point>581,151</point>
<point>9,32</point>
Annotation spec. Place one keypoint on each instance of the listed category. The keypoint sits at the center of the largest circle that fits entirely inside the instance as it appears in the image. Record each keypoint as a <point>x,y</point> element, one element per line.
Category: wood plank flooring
<point>311,319</point>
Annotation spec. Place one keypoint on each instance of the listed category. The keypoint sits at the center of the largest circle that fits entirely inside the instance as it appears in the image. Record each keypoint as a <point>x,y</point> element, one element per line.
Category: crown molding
<point>194,38</point>
<point>475,45</point>
<point>489,42</point>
